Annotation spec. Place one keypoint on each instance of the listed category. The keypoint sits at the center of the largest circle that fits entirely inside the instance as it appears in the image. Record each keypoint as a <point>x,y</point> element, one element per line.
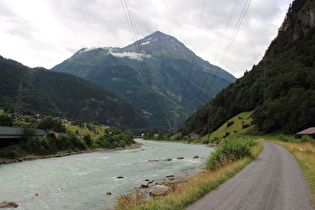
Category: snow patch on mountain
<point>144,43</point>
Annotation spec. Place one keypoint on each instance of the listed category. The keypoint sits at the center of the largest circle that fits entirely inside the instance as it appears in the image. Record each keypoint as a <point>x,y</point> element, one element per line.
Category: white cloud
<point>44,33</point>
<point>131,55</point>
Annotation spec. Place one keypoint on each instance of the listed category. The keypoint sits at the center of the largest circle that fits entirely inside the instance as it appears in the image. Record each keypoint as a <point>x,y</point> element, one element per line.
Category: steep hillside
<point>281,88</point>
<point>64,95</point>
<point>158,74</point>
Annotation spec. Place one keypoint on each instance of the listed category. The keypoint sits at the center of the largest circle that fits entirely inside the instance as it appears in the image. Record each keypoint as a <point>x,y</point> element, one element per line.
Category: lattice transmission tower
<point>18,113</point>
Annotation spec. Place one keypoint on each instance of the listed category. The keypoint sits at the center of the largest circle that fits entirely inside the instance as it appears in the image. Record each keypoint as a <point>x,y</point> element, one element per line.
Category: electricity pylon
<point>18,113</point>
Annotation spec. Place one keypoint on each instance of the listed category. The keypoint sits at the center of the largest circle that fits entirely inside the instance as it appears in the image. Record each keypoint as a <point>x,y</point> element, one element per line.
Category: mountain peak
<point>158,35</point>
<point>158,43</point>
<point>161,44</point>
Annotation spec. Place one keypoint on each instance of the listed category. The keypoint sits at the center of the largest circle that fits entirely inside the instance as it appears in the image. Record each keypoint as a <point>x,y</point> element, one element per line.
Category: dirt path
<point>273,181</point>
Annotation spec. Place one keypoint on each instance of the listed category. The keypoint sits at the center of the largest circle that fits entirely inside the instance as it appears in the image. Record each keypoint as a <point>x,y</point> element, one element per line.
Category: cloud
<point>44,33</point>
<point>131,55</point>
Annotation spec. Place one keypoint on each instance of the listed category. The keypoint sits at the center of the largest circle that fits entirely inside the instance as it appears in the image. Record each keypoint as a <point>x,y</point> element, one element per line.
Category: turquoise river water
<point>82,181</point>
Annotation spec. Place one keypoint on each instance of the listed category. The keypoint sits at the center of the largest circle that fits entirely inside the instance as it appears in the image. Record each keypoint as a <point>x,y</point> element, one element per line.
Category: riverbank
<point>64,153</point>
<point>184,142</point>
<point>187,191</point>
<point>83,181</point>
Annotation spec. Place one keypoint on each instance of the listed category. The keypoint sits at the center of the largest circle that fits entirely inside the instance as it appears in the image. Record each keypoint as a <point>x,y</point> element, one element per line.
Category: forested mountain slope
<point>157,74</point>
<point>64,95</point>
<point>281,88</point>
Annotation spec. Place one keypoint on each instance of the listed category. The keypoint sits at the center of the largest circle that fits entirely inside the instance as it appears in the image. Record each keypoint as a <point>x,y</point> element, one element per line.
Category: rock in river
<point>7,204</point>
<point>159,190</point>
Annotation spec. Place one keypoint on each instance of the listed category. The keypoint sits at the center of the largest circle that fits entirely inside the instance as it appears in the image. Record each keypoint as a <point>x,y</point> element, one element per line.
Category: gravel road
<point>273,181</point>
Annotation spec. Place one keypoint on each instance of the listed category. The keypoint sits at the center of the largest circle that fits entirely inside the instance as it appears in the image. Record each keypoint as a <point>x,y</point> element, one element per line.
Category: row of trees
<point>70,143</point>
<point>32,145</point>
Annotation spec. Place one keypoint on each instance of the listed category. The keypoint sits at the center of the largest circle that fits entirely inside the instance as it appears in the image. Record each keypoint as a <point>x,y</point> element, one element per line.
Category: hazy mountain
<point>281,88</point>
<point>157,74</point>
<point>64,95</point>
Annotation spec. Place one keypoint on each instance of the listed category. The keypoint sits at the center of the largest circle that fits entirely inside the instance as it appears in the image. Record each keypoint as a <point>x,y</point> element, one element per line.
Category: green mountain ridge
<point>64,95</point>
<point>165,80</point>
<point>280,89</point>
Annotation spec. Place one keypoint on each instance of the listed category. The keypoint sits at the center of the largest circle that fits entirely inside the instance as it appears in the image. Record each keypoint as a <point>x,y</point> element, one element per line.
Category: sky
<point>232,34</point>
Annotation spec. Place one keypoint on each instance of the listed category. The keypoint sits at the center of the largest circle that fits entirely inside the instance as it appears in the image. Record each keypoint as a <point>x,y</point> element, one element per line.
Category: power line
<point>231,40</point>
<point>227,26</point>
<point>239,23</point>
<point>227,49</point>
<point>196,45</point>
<point>133,29</point>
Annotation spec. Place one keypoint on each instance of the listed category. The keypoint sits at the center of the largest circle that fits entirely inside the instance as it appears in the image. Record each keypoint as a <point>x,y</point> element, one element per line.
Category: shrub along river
<point>82,181</point>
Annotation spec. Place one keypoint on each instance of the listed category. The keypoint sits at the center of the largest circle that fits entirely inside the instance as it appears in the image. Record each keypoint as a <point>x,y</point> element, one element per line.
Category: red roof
<point>308,131</point>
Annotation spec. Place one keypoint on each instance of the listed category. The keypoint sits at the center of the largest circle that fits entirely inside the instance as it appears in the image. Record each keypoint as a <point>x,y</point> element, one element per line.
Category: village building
<point>194,135</point>
<point>309,131</point>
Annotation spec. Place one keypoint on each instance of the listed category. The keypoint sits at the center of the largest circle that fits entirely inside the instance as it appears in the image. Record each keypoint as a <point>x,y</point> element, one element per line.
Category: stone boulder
<point>7,204</point>
<point>167,159</point>
<point>180,158</point>
<point>145,186</point>
<point>159,190</point>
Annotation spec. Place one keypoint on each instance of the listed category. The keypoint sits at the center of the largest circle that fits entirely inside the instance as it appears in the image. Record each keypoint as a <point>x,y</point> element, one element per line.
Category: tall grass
<point>229,150</point>
<point>131,200</point>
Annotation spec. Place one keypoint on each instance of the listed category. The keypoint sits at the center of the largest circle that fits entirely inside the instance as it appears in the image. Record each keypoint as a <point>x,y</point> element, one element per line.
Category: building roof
<point>194,135</point>
<point>308,131</point>
<point>11,131</point>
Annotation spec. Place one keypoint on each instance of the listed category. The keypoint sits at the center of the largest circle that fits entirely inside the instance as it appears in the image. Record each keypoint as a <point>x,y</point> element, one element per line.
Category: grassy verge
<point>305,156</point>
<point>276,136</point>
<point>194,188</point>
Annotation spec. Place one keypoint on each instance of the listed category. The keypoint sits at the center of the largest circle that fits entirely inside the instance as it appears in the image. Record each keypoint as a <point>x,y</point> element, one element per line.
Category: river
<point>82,181</point>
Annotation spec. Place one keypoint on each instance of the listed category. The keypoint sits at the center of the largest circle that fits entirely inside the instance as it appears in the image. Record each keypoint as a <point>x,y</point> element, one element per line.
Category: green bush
<point>229,150</point>
<point>122,143</point>
<point>78,144</point>
<point>215,140</point>
<point>229,123</point>
<point>10,152</point>
<point>103,143</point>
<point>51,124</point>
<point>88,140</point>
<point>5,120</point>
<point>179,136</point>
<point>305,139</point>
<point>115,144</point>
<point>95,145</point>
<point>283,138</point>
<point>205,141</point>
<point>226,134</point>
<point>245,126</point>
